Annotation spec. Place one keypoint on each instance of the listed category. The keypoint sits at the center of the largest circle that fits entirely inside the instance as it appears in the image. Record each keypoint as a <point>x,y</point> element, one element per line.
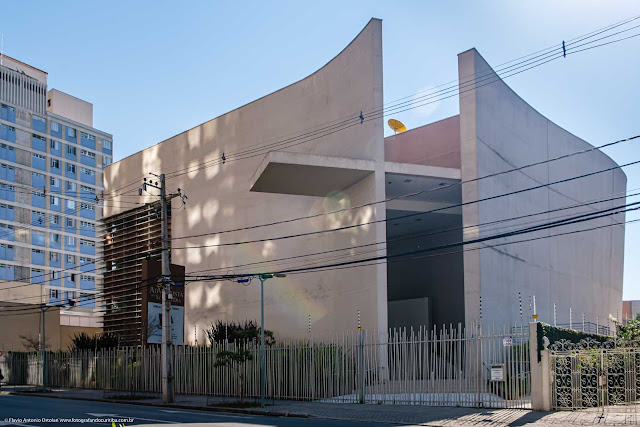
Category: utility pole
<point>167,372</point>
<point>44,354</point>
<point>165,283</point>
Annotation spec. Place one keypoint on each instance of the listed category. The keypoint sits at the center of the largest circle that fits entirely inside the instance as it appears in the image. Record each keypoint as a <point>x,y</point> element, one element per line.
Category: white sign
<point>154,322</point>
<point>497,372</point>
<point>507,342</point>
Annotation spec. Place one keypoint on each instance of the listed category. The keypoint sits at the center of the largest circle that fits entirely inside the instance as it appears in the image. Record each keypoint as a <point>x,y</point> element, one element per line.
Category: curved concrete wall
<point>219,199</point>
<point>499,131</point>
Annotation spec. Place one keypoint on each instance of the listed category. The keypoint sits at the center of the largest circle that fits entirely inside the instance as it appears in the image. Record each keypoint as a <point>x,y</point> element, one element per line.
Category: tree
<point>630,331</point>
<point>32,344</point>
<point>241,335</point>
<point>82,341</point>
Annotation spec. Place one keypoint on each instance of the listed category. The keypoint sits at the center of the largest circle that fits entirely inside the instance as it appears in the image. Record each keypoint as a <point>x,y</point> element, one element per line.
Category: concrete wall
<point>70,107</point>
<point>499,131</point>
<point>219,199</point>
<point>435,144</point>
<point>25,321</point>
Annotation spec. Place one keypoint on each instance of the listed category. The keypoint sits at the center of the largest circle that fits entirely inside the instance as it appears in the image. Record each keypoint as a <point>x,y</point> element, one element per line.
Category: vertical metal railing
<point>449,366</point>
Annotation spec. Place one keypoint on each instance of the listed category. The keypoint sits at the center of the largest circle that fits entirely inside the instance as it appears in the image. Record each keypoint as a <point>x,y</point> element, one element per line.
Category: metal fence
<point>448,367</point>
<point>590,374</point>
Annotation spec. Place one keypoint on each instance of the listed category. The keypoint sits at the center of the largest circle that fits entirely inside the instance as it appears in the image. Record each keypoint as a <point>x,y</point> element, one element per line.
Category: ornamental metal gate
<point>591,374</point>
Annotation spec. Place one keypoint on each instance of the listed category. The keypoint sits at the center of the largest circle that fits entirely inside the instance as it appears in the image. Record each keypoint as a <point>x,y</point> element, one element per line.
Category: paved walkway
<point>392,414</point>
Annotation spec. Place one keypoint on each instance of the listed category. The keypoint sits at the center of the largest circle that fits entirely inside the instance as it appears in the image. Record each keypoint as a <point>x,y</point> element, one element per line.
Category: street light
<point>263,278</point>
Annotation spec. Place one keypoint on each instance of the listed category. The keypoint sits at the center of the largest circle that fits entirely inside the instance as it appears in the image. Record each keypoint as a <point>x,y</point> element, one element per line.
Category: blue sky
<point>155,68</point>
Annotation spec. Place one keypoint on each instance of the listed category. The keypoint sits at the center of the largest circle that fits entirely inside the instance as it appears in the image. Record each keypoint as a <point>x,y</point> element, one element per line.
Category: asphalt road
<point>42,411</point>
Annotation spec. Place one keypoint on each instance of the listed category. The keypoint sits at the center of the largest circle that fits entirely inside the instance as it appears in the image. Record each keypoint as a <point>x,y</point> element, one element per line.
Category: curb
<point>221,409</point>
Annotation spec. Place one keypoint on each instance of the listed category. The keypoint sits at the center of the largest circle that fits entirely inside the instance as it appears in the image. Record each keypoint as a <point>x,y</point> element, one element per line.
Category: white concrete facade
<point>494,131</point>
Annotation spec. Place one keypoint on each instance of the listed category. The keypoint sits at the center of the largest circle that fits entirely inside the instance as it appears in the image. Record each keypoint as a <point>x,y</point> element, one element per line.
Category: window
<point>86,224</point>
<point>87,243</point>
<point>71,132</point>
<point>55,127</point>
<point>107,161</point>
<point>54,256</point>
<point>39,124</point>
<point>55,275</point>
<point>55,182</point>
<point>106,144</point>
<point>71,150</point>
<point>71,259</point>
<point>86,189</point>
<point>86,207</point>
<point>38,156</point>
<point>37,193</point>
<point>54,219</point>
<point>72,186</point>
<point>55,163</point>
<point>71,241</point>
<point>87,136</point>
<point>41,138</point>
<point>85,260</point>
<point>71,205</point>
<point>37,251</point>
<point>54,293</point>
<point>54,200</point>
<point>87,278</point>
<point>70,222</point>
<point>37,175</point>
<point>71,168</point>
<point>55,238</point>
<point>55,145</point>
<point>88,154</point>
<point>86,171</point>
<point>72,277</point>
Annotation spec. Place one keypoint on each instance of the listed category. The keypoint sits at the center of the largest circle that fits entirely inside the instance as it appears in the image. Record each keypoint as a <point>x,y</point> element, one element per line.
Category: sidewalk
<point>392,414</point>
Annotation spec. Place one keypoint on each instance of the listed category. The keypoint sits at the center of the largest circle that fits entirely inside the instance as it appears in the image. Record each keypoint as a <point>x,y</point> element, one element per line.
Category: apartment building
<point>51,163</point>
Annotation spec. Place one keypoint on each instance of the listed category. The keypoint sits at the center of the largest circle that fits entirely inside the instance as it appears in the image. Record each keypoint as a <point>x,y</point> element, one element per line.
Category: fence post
<point>361,366</point>
<point>540,373</point>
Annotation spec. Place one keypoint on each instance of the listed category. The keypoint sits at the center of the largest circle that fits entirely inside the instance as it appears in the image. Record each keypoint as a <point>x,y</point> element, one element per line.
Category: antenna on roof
<point>396,125</point>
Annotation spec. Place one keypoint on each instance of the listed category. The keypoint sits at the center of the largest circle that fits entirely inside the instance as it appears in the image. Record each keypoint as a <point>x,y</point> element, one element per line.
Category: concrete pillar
<point>540,372</point>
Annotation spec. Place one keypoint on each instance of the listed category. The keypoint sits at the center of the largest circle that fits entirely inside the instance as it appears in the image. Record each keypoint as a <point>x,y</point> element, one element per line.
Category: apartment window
<point>71,241</point>
<point>54,200</point>
<point>88,136</point>
<point>37,251</point>
<point>72,186</point>
<point>107,161</point>
<point>86,189</point>
<point>36,175</point>
<point>39,124</point>
<point>86,224</point>
<point>86,207</point>
<point>88,154</point>
<point>71,150</point>
<point>41,138</point>
<point>72,277</point>
<point>54,219</point>
<point>38,156</point>
<point>55,163</point>
<point>55,275</point>
<point>54,257</point>
<point>54,294</point>
<point>55,127</point>
<point>87,243</point>
<point>55,182</point>
<point>55,145</point>
<point>71,168</point>
<point>85,260</point>
<point>86,171</point>
<point>70,222</point>
<point>106,144</point>
<point>87,278</point>
<point>71,132</point>
<point>71,259</point>
<point>55,238</point>
<point>71,205</point>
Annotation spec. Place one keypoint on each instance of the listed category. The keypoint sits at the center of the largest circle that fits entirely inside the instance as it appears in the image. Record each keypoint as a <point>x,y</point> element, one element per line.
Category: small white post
<point>570,318</point>
<point>555,315</point>
<point>535,313</point>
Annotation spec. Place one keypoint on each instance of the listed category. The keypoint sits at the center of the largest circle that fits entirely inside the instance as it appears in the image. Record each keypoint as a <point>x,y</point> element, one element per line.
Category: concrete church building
<point>283,161</point>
